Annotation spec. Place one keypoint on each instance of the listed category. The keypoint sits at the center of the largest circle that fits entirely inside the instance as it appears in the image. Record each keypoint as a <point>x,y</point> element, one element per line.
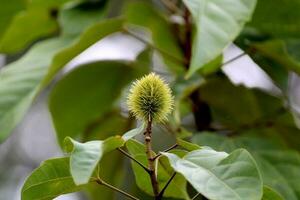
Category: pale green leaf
<point>85,156</point>
<point>217,23</point>
<point>279,168</point>
<point>220,176</point>
<point>187,145</point>
<point>134,132</point>
<point>50,180</point>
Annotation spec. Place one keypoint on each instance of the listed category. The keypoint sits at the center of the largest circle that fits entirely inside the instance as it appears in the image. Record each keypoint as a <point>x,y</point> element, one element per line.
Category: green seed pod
<point>150,98</point>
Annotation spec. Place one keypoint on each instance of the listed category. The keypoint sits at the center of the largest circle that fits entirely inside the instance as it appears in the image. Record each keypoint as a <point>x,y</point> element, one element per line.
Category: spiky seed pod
<point>150,97</point>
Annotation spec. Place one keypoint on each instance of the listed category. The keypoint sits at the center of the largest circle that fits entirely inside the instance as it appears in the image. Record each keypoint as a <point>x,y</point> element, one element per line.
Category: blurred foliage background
<point>240,90</point>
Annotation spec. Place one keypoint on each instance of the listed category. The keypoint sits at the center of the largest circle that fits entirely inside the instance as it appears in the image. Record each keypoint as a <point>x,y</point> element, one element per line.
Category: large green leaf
<point>85,156</point>
<point>218,23</point>
<point>98,85</point>
<point>143,14</point>
<point>285,22</point>
<point>37,21</point>
<point>176,189</point>
<point>25,28</point>
<point>278,51</point>
<point>252,106</point>
<point>21,81</point>
<point>50,180</point>
<point>280,168</point>
<point>8,10</point>
<point>220,176</point>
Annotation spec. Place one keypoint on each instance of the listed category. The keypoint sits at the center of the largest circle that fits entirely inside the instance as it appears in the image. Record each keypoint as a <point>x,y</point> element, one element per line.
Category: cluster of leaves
<point>254,137</point>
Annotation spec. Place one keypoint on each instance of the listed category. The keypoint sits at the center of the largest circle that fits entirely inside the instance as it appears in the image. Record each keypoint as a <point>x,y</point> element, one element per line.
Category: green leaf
<point>273,23</point>
<point>37,21</point>
<point>177,187</point>
<point>220,176</point>
<point>111,169</point>
<point>187,145</point>
<point>277,51</point>
<point>161,32</point>
<point>8,10</point>
<point>218,23</point>
<point>72,115</point>
<point>27,27</point>
<point>279,168</point>
<point>252,106</point>
<point>50,180</point>
<point>85,156</point>
<point>270,194</point>
<point>134,132</point>
<point>21,81</point>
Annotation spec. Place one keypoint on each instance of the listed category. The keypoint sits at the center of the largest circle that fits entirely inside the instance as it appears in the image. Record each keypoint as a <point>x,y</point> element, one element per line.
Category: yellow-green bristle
<point>150,97</point>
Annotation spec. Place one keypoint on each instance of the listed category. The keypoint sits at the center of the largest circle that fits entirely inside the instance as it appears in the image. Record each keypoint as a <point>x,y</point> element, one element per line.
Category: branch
<point>234,59</point>
<point>160,195</point>
<point>178,60</point>
<point>197,195</point>
<point>169,149</point>
<point>133,159</point>
<point>101,182</point>
<point>151,162</point>
<point>170,5</point>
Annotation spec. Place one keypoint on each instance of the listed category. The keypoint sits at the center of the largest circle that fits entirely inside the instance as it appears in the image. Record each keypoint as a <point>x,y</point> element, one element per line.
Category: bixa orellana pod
<point>150,98</point>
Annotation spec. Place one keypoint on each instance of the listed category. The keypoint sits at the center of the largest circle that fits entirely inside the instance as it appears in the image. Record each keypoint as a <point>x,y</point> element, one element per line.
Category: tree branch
<point>175,59</point>
<point>171,6</point>
<point>234,59</point>
<point>133,159</point>
<point>101,182</point>
<point>197,195</point>
<point>151,162</point>
<point>160,195</point>
<point>168,149</point>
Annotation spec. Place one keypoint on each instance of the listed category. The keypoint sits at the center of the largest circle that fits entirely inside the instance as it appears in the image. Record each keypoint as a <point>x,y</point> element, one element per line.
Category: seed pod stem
<point>151,161</point>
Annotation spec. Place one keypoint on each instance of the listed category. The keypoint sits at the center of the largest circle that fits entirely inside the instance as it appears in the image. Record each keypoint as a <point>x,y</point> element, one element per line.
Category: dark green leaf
<point>8,10</point>
<point>270,194</point>
<point>285,22</point>
<point>98,85</point>
<point>50,180</point>
<point>252,106</point>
